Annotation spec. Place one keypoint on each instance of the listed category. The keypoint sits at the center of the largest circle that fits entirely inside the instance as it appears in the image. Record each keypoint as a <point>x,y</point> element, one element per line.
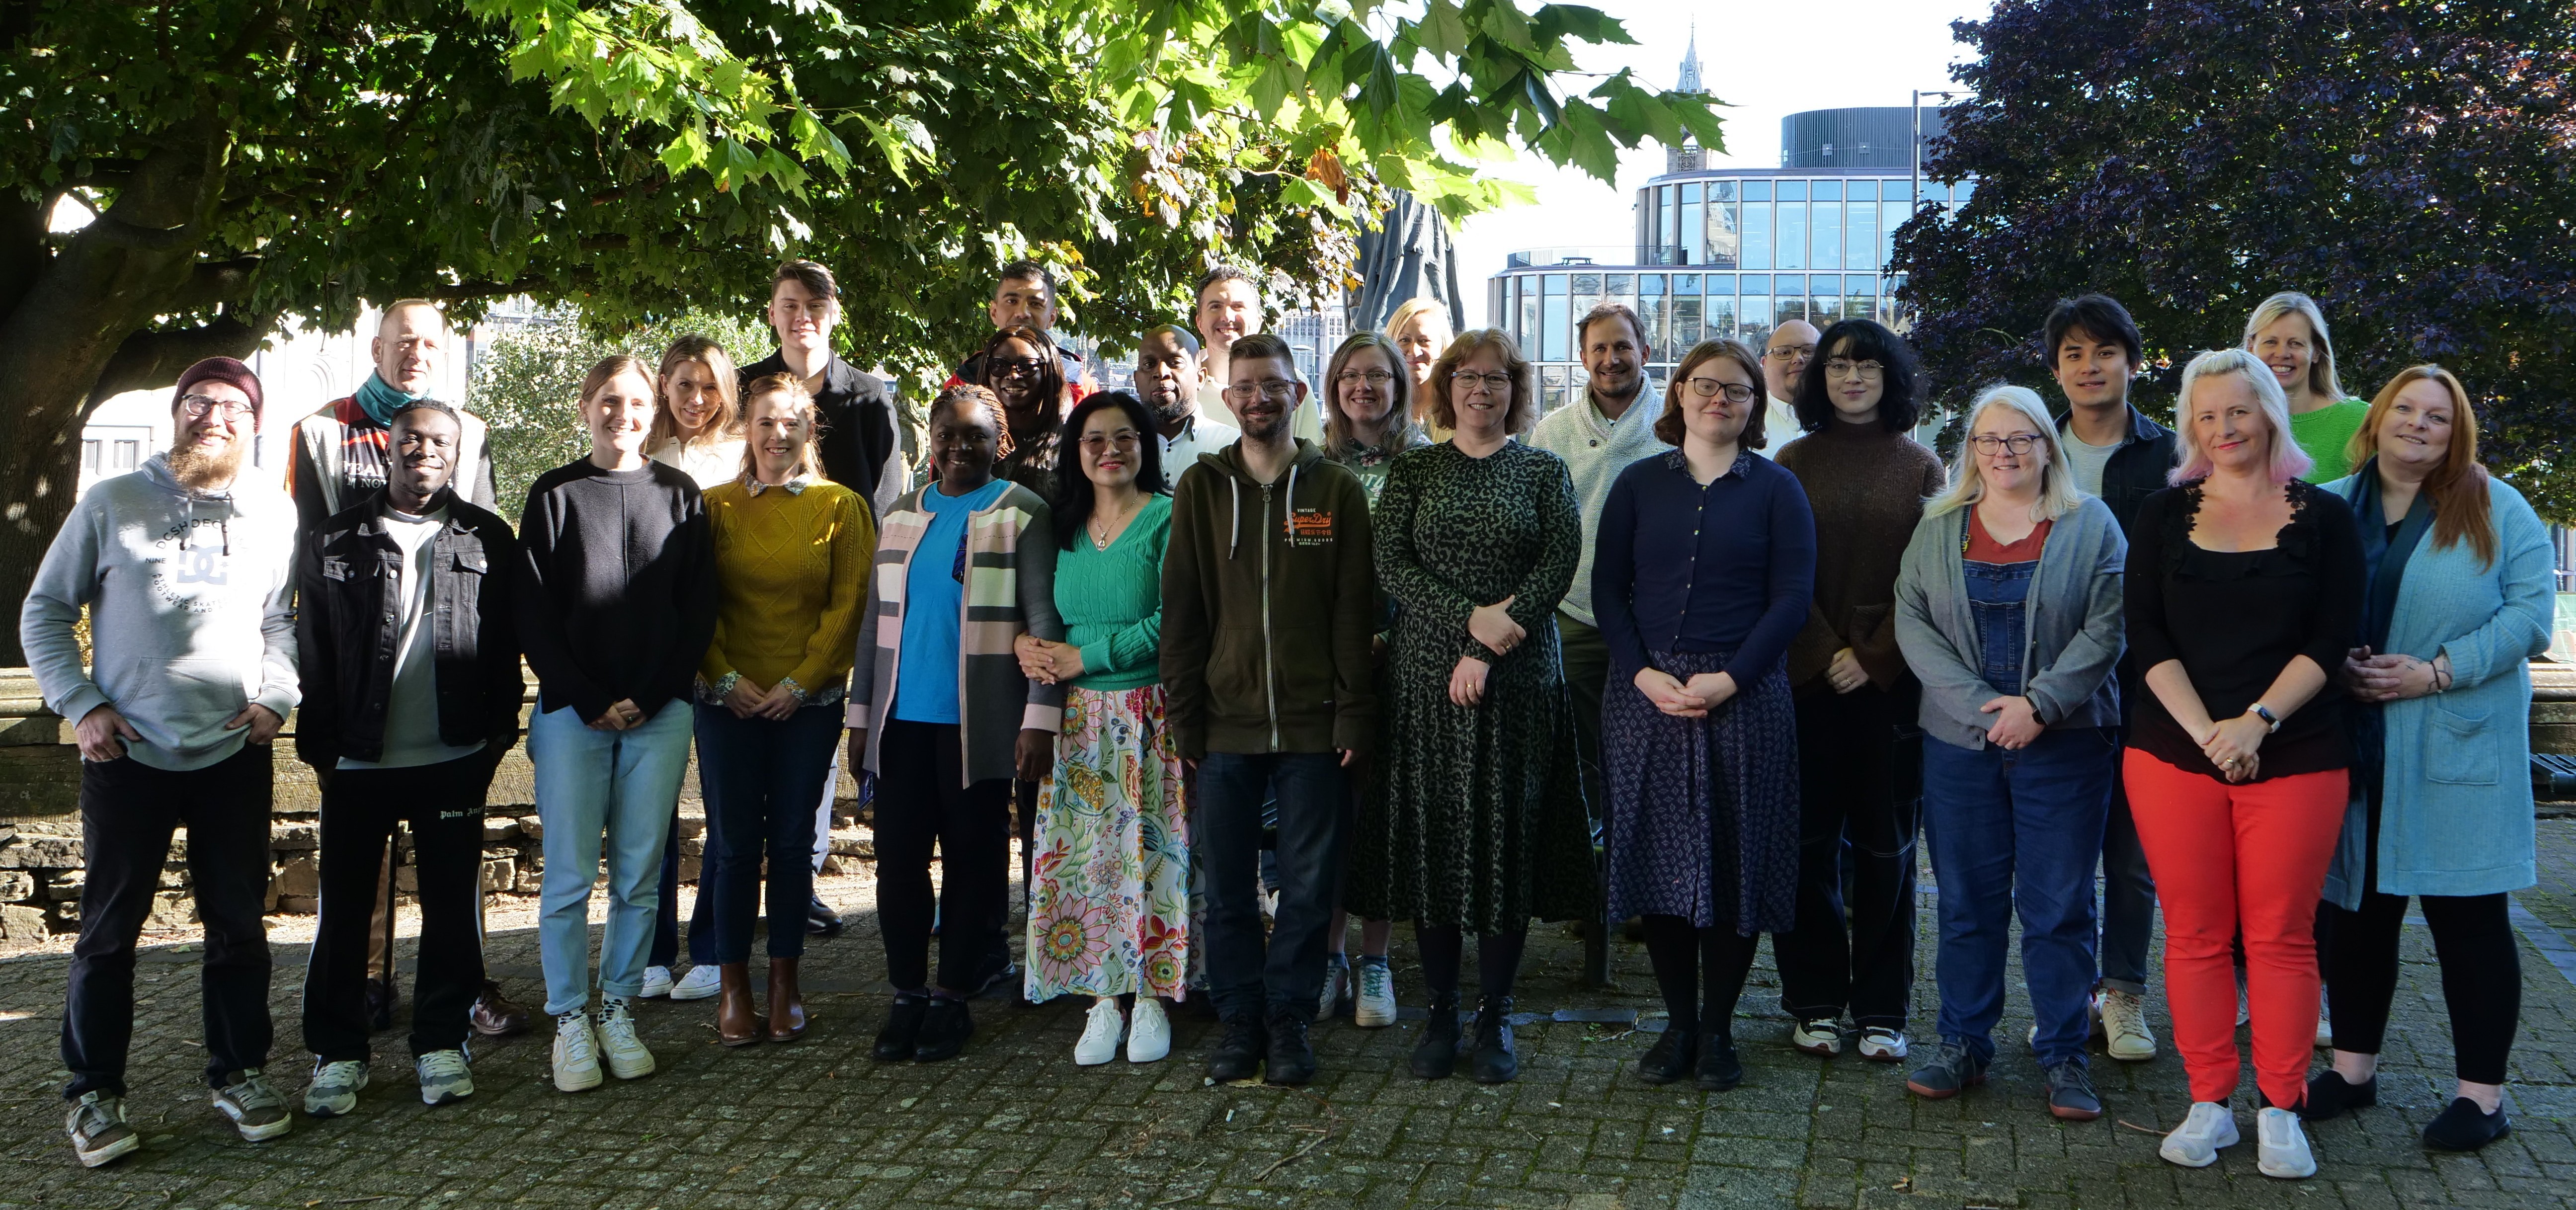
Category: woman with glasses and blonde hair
<point>1701,577</point>
<point>2458,601</point>
<point>1475,817</point>
<point>2287,332</point>
<point>2008,609</point>
<point>2244,589</point>
<point>1420,328</point>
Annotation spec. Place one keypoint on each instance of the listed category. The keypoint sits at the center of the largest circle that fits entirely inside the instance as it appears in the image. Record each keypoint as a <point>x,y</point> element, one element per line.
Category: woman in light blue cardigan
<point>2458,601</point>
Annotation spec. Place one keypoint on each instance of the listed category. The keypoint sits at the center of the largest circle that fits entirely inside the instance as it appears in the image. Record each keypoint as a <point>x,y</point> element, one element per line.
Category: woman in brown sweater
<point>1866,480</point>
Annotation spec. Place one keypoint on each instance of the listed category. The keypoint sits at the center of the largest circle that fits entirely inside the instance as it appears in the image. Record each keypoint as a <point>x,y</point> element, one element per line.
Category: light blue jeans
<point>621,784</point>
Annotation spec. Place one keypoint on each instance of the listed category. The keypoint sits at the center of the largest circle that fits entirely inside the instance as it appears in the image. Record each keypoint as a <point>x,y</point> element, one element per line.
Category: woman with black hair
<point>1866,480</point>
<point>1024,371</point>
<point>1109,892</point>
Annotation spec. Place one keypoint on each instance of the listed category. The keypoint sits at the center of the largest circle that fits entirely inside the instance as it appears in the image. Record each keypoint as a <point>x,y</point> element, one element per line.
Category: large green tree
<point>250,161</point>
<point>2411,165</point>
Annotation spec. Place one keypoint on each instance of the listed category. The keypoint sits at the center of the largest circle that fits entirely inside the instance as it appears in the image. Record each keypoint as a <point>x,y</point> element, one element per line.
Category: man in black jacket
<point>410,663</point>
<point>859,446</point>
<point>2123,457</point>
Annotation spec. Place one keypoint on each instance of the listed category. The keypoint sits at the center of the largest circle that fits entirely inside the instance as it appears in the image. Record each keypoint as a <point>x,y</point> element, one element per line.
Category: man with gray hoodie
<point>188,575</point>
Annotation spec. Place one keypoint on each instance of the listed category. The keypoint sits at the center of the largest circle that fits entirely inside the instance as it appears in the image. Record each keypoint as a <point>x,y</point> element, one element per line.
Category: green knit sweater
<point>1112,601</point>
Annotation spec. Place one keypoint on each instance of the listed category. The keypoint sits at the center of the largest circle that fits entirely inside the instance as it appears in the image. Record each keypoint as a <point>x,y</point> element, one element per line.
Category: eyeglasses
<point>195,407</point>
<point>1276,388</point>
<point>1018,368</point>
<point>1844,367</point>
<point>1990,445</point>
<point>1375,378</point>
<point>1491,382</point>
<point>1791,352</point>
<point>1711,388</point>
<point>1124,439</point>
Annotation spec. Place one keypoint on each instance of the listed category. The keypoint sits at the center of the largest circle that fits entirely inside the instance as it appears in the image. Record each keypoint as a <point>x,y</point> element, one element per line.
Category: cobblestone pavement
<point>1014,1123</point>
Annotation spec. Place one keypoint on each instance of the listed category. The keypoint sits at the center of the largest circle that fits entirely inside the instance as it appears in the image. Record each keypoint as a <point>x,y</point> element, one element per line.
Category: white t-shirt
<point>1779,426</point>
<point>2086,460</point>
<point>707,463</point>
<point>411,712</point>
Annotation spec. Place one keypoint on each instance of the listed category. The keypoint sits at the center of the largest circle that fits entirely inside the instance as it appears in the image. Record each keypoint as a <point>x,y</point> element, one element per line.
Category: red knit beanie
<point>224,370</point>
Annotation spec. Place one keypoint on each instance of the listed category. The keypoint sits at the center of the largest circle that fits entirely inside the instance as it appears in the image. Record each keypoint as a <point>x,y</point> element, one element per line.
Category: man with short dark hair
<point>187,573</point>
<point>1167,380</point>
<point>1024,296</point>
<point>2118,454</point>
<point>859,446</point>
<point>1227,309</point>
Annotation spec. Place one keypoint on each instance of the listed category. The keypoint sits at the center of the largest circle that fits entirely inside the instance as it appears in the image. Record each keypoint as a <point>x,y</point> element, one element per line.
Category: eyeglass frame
<point>2006,443</point>
<point>1717,387</point>
<point>198,407</point>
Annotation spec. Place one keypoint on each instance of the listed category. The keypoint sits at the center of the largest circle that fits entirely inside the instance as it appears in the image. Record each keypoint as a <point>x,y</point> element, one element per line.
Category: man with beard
<point>1167,379</point>
<point>1024,297</point>
<point>1228,308</point>
<point>412,688</point>
<point>188,578</point>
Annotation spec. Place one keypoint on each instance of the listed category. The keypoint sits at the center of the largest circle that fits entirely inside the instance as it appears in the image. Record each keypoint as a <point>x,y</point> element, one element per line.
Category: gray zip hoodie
<point>191,615</point>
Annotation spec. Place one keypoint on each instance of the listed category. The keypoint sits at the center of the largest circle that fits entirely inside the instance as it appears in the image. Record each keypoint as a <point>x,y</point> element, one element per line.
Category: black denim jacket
<point>2136,470</point>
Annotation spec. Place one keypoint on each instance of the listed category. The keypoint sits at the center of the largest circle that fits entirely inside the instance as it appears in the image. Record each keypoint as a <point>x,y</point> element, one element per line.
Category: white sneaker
<point>1822,1037</point>
<point>2196,1143</point>
<point>1374,1005</point>
<point>576,1053</point>
<point>2281,1148</point>
<point>1337,984</point>
<point>2124,1026</point>
<point>1882,1045</point>
<point>627,1057</point>
<point>1099,1043</point>
<point>334,1088</point>
<point>444,1077</point>
<point>657,983</point>
<point>1149,1032</point>
<point>702,982</point>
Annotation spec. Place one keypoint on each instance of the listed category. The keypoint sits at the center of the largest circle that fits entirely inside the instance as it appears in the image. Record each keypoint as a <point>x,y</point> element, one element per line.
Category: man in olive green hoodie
<point>1269,599</point>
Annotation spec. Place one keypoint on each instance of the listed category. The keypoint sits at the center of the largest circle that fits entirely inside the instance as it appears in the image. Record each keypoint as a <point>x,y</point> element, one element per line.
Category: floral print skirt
<point>1109,905</point>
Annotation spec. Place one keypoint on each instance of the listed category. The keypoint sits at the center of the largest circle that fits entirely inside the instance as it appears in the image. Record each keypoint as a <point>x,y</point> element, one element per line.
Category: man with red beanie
<point>188,574</point>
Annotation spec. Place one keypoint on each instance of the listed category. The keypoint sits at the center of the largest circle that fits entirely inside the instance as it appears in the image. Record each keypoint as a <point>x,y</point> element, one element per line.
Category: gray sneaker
<point>255,1108</point>
<point>2070,1092</point>
<point>98,1129</point>
<point>1945,1071</point>
<point>334,1090</point>
<point>444,1077</point>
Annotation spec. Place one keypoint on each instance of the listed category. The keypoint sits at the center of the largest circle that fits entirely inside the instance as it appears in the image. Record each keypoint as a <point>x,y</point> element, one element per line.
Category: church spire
<point>1690,81</point>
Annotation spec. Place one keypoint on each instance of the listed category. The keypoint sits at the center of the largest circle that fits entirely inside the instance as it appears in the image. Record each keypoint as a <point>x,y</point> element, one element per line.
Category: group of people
<point>1234,645</point>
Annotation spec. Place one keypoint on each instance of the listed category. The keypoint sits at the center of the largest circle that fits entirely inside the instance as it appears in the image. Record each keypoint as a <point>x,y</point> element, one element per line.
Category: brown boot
<point>737,1024</point>
<point>786,1007</point>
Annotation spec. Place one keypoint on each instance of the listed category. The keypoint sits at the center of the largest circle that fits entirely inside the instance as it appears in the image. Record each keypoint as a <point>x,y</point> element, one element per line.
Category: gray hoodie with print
<point>191,612</point>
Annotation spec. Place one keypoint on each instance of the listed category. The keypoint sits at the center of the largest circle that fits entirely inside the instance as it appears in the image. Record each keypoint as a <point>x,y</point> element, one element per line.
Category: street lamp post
<point>1917,114</point>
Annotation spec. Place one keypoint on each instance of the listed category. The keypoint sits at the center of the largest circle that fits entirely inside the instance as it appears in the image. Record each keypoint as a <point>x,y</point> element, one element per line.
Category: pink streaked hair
<point>2288,460</point>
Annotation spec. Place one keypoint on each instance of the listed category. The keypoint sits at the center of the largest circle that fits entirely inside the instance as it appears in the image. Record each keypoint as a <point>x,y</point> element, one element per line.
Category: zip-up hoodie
<point>191,616</point>
<point>1269,600</point>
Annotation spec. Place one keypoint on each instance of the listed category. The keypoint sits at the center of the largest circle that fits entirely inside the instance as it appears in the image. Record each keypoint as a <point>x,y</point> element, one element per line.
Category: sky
<point>1766,62</point>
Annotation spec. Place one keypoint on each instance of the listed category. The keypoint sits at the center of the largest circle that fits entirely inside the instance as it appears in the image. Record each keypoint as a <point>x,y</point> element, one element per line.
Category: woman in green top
<point>1109,899</point>
<point>2288,332</point>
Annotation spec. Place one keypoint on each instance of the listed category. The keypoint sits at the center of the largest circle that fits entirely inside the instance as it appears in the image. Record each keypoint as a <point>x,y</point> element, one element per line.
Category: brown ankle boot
<point>786,1006</point>
<point>737,1023</point>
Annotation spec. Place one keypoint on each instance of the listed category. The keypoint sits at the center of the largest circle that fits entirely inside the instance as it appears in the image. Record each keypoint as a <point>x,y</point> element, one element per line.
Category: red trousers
<point>2239,857</point>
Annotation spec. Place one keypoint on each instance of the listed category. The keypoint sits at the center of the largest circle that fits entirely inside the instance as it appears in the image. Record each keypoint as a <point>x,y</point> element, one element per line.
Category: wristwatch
<point>2263,712</point>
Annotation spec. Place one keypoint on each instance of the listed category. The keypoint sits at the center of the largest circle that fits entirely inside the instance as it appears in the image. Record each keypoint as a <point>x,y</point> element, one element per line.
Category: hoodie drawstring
<point>1234,530</point>
<point>1288,522</point>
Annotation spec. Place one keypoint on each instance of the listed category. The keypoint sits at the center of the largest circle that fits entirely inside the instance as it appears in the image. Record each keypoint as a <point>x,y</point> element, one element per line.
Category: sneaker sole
<point>1943,1094</point>
<point>262,1134</point>
<point>2071,1114</point>
<point>2133,1058</point>
<point>449,1097</point>
<point>1372,1020</point>
<point>2217,1145</point>
<point>2288,1174</point>
<point>1882,1056</point>
<point>635,1074</point>
<point>1822,1050</point>
<point>110,1153</point>
<point>682,993</point>
<point>327,1112</point>
<point>577,1083</point>
<point>1150,1056</point>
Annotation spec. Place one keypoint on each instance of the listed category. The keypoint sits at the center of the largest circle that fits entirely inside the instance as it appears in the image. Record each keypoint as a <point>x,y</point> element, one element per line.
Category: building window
<point>1529,316</point>
<point>1828,235</point>
<point>89,457</point>
<point>1693,225</point>
<point>129,455</point>
<point>1757,235</point>
<point>1717,320</point>
<point>1751,314</point>
<point>1890,214</point>
<point>1552,320</point>
<point>1861,236</point>
<point>1686,322</point>
<point>1551,388</point>
<point>1792,252</point>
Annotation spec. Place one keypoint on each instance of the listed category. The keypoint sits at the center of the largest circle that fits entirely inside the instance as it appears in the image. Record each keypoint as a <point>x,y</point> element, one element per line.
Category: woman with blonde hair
<point>2288,333</point>
<point>2458,602</point>
<point>2008,609</point>
<point>1420,328</point>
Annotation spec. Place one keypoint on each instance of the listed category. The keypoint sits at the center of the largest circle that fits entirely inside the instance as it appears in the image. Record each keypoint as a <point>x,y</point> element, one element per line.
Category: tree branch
<point>153,359</point>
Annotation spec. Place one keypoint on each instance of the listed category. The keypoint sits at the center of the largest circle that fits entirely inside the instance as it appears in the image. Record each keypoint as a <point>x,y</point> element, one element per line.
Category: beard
<point>200,469</point>
<point>1171,409</point>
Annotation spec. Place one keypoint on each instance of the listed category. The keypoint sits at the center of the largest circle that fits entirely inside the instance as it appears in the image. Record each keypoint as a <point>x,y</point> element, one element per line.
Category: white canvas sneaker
<point>1149,1032</point>
<point>1373,1007</point>
<point>1099,1042</point>
<point>576,1056</point>
<point>2197,1142</point>
<point>657,983</point>
<point>2124,1026</point>
<point>700,983</point>
<point>2280,1147</point>
<point>627,1057</point>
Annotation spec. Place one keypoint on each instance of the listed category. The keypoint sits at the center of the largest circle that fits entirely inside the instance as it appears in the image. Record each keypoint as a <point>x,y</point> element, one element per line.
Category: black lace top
<point>2236,618</point>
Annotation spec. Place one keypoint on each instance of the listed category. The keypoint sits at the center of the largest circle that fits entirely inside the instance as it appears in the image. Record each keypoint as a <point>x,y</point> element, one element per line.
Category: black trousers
<point>443,803</point>
<point>1850,790</point>
<point>2481,975</point>
<point>128,811</point>
<point>921,801</point>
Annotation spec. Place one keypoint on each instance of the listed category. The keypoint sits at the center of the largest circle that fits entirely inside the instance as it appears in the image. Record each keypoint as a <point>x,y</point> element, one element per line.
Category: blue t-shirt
<point>934,600</point>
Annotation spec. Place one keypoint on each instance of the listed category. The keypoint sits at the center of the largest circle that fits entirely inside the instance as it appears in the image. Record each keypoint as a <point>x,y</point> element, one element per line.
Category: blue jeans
<point>761,777</point>
<point>625,785</point>
<point>2017,830</point>
<point>1244,976</point>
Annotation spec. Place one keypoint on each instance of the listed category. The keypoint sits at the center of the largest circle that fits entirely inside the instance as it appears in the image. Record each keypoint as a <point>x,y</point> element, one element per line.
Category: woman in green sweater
<point>2288,331</point>
<point>1109,897</point>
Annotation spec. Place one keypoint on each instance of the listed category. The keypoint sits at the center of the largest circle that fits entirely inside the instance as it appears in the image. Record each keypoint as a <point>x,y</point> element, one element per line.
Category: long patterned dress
<point>1475,815</point>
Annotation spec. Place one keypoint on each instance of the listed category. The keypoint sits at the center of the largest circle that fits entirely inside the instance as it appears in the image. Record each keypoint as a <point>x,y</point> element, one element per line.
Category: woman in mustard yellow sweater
<point>792,556</point>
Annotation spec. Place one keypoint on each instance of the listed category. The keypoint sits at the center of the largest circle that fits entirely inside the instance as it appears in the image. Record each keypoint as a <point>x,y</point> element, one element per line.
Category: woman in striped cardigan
<point>945,744</point>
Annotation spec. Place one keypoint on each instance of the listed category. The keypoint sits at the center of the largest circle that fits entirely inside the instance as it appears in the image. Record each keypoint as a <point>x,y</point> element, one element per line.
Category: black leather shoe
<point>1437,1054</point>
<point>1494,1061</point>
<point>1292,1057</point>
<point>2465,1127</point>
<point>902,1029</point>
<point>1238,1050</point>
<point>944,1030</point>
<point>2332,1096</point>
<point>1719,1069</point>
<point>821,920</point>
<point>380,1005</point>
<point>1670,1058</point>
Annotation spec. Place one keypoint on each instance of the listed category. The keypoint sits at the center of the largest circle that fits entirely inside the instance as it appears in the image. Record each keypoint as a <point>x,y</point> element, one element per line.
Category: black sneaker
<point>1719,1069</point>
<point>2331,1096</point>
<point>995,968</point>
<point>1670,1058</point>
<point>1945,1071</point>
<point>820,919</point>
<point>1494,1061</point>
<point>902,1030</point>
<point>944,1030</point>
<point>1238,1050</point>
<point>2070,1092</point>
<point>2465,1127</point>
<point>1292,1057</point>
<point>1437,1054</point>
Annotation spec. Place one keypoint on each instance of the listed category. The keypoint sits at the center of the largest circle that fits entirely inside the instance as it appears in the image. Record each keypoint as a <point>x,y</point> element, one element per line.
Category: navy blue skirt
<point>1703,812</point>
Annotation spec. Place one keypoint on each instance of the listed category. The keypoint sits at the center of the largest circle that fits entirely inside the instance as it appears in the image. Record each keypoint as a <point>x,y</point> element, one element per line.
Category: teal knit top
<point>1112,601</point>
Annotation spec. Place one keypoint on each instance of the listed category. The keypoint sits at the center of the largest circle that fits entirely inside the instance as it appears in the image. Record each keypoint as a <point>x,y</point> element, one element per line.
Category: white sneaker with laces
<point>1373,1007</point>
<point>1822,1037</point>
<point>2124,1026</point>
<point>1882,1045</point>
<point>627,1057</point>
<point>1149,1032</point>
<point>334,1088</point>
<point>444,1077</point>
<point>2197,1142</point>
<point>2280,1147</point>
<point>701,983</point>
<point>576,1055</point>
<point>1337,984</point>
<point>657,983</point>
<point>1099,1042</point>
